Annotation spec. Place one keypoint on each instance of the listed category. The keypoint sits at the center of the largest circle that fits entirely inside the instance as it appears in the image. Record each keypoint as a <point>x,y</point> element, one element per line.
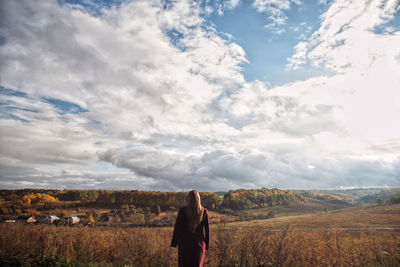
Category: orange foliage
<point>91,218</point>
<point>39,198</point>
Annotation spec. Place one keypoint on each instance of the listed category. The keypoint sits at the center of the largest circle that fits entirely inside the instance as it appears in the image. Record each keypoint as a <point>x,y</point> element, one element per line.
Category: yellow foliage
<point>26,201</point>
<point>91,219</point>
<point>39,198</point>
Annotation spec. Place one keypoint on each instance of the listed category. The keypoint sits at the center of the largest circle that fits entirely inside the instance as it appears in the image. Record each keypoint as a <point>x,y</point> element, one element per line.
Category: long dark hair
<point>194,210</point>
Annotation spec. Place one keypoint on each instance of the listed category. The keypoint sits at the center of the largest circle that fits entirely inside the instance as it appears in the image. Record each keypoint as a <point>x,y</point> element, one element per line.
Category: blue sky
<point>267,51</point>
<point>212,95</point>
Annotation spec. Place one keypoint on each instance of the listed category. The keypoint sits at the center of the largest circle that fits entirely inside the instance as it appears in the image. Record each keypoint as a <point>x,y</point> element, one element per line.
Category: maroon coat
<point>191,246</point>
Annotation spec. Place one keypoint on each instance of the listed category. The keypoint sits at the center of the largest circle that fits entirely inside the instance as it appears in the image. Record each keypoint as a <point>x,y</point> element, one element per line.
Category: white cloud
<point>220,6</point>
<point>122,68</point>
<point>165,99</point>
<point>346,37</point>
<point>363,85</point>
<point>300,56</point>
<point>231,4</point>
<point>122,57</point>
<point>275,12</point>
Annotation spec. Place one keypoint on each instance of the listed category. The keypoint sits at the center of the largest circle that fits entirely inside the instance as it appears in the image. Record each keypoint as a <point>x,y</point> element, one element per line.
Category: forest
<point>32,201</point>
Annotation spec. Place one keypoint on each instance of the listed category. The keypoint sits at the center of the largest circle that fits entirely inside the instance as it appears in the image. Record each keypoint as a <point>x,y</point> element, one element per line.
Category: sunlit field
<point>302,240</point>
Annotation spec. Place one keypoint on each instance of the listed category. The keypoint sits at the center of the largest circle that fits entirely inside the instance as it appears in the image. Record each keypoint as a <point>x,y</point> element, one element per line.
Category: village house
<point>74,220</point>
<point>51,219</point>
<point>31,220</point>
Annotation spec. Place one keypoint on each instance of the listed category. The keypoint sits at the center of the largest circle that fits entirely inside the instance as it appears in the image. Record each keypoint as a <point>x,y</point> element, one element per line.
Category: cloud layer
<point>150,95</point>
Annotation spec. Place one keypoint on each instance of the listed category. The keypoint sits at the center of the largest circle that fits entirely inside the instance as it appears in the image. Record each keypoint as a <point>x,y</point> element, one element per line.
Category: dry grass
<point>299,208</point>
<point>272,242</point>
<point>50,245</point>
<point>37,244</point>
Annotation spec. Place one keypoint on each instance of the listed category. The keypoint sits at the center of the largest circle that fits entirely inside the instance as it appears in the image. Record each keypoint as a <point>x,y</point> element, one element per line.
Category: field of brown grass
<point>70,246</point>
<point>301,240</point>
<point>385,216</point>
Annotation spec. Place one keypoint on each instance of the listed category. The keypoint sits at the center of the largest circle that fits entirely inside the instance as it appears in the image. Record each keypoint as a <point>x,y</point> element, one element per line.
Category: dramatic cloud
<point>150,95</point>
<point>363,85</point>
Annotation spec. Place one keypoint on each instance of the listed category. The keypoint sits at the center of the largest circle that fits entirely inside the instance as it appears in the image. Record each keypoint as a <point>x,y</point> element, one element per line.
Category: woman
<point>191,232</point>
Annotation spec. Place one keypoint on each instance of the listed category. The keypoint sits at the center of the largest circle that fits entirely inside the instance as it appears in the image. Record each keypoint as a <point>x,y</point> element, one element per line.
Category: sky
<point>211,95</point>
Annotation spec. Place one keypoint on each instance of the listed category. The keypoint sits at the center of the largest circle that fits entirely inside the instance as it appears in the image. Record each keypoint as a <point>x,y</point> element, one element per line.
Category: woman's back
<point>199,232</point>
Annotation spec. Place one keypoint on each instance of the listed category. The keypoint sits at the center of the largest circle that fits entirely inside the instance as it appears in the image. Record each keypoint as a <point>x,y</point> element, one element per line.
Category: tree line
<point>234,199</point>
<point>258,198</point>
<point>139,198</point>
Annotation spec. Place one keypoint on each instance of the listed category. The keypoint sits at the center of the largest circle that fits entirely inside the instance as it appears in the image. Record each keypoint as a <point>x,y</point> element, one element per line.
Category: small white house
<point>74,220</point>
<point>31,220</point>
<point>51,219</point>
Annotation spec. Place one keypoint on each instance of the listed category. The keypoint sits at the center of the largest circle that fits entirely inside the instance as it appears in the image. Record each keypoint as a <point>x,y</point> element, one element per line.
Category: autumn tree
<point>91,219</point>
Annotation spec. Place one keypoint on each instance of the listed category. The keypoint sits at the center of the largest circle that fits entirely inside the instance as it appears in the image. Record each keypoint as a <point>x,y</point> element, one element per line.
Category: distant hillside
<point>383,196</point>
<point>357,217</point>
<point>325,198</point>
<point>359,196</point>
<point>40,201</point>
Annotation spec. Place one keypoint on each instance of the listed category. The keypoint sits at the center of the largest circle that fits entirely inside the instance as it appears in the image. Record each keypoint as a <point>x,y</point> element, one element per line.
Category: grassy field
<point>309,206</point>
<point>300,240</point>
<point>104,246</point>
<point>385,216</point>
